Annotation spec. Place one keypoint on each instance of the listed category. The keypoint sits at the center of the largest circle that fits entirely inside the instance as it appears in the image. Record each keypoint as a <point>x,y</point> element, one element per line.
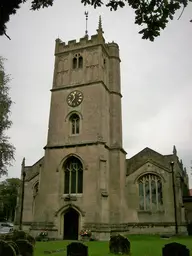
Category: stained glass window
<point>150,192</point>
<point>73,176</point>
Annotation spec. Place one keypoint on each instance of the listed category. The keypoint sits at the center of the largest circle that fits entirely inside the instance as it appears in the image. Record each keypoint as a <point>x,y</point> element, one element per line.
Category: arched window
<point>150,192</point>
<point>80,61</point>
<point>73,170</point>
<point>74,62</point>
<point>77,61</point>
<point>75,124</point>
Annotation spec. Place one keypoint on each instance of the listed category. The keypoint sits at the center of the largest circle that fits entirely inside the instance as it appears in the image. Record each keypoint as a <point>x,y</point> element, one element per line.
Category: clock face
<point>75,98</point>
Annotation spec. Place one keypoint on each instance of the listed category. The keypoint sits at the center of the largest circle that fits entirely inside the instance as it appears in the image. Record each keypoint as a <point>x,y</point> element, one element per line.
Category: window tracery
<point>73,171</point>
<point>74,124</point>
<point>150,192</point>
<point>77,61</point>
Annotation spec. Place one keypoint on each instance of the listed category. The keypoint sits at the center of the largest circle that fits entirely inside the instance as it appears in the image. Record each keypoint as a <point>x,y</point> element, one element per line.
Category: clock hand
<point>73,98</point>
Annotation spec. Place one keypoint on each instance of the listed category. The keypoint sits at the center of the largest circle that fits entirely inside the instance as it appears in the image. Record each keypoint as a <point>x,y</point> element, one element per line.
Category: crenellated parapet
<point>84,42</point>
<point>111,49</point>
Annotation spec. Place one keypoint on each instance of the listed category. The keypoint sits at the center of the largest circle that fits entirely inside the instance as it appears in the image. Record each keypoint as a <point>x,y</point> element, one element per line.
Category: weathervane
<point>86,16</point>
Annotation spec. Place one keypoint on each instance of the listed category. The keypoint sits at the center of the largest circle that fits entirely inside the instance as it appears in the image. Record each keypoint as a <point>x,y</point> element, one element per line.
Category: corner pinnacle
<point>100,29</point>
<point>174,150</point>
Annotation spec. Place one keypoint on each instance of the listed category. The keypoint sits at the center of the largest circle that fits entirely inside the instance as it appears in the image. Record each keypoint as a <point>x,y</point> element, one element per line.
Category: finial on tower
<point>86,16</point>
<point>100,29</point>
<point>174,150</point>
<point>181,163</point>
<point>23,162</point>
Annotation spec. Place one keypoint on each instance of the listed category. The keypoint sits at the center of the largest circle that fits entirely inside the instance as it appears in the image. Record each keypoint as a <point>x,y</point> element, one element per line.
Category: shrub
<point>19,234</point>
<point>119,245</point>
<point>2,237</point>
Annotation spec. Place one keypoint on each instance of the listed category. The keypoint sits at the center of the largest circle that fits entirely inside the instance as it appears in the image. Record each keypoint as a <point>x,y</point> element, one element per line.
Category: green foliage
<point>17,235</point>
<point>154,15</point>
<point>141,245</point>
<point>8,197</point>
<point>8,8</point>
<point>6,149</point>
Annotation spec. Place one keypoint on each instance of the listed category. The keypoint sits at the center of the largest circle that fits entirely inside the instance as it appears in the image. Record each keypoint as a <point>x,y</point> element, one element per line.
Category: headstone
<point>15,247</point>
<point>6,249</point>
<point>25,248</point>
<point>31,239</point>
<point>119,244</point>
<point>77,249</point>
<point>175,249</point>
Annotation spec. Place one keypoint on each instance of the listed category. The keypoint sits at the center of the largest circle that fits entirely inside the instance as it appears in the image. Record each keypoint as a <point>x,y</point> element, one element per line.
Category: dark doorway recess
<point>71,225</point>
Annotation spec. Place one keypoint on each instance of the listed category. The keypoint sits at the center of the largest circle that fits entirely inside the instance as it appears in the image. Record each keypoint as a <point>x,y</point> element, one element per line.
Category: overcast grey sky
<point>156,77</point>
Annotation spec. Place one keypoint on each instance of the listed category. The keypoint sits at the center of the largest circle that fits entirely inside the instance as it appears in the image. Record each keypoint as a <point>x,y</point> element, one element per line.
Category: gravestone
<point>6,249</point>
<point>31,239</point>
<point>15,247</point>
<point>119,244</point>
<point>25,248</point>
<point>175,249</point>
<point>77,249</point>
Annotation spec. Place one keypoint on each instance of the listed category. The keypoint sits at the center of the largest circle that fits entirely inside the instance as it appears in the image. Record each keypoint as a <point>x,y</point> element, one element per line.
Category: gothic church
<point>84,179</point>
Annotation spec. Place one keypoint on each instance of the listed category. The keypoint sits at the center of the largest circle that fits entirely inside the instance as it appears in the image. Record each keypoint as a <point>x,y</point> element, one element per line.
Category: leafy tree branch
<point>154,15</point>
<point>6,148</point>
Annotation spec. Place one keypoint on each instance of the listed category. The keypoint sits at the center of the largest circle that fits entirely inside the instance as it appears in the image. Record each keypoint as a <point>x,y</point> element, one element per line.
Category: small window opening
<point>80,62</point>
<point>74,63</point>
<point>75,124</point>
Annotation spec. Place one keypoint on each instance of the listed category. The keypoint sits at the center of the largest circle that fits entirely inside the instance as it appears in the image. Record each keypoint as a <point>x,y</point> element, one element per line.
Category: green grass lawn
<point>141,245</point>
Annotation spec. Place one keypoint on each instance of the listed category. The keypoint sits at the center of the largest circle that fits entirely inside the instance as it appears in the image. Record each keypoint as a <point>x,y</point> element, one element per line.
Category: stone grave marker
<point>77,249</point>
<point>25,248</point>
<point>6,249</point>
<point>119,244</point>
<point>15,247</point>
<point>175,249</point>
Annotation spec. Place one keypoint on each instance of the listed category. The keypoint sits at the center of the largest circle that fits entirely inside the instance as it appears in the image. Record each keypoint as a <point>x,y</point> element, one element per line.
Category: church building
<point>84,180</point>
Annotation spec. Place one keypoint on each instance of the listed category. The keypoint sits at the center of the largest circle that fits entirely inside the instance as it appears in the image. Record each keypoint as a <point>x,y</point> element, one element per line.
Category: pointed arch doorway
<point>71,225</point>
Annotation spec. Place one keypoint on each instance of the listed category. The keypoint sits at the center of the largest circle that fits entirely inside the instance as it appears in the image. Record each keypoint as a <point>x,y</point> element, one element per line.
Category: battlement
<point>74,44</point>
<point>111,48</point>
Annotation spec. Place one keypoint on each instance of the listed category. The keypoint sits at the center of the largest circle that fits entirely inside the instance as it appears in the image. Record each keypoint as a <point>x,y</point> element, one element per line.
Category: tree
<point>153,14</point>
<point>8,198</point>
<point>6,149</point>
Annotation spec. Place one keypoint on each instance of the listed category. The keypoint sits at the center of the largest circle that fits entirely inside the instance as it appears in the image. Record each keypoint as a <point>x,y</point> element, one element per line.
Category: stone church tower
<point>84,179</point>
<point>84,159</point>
